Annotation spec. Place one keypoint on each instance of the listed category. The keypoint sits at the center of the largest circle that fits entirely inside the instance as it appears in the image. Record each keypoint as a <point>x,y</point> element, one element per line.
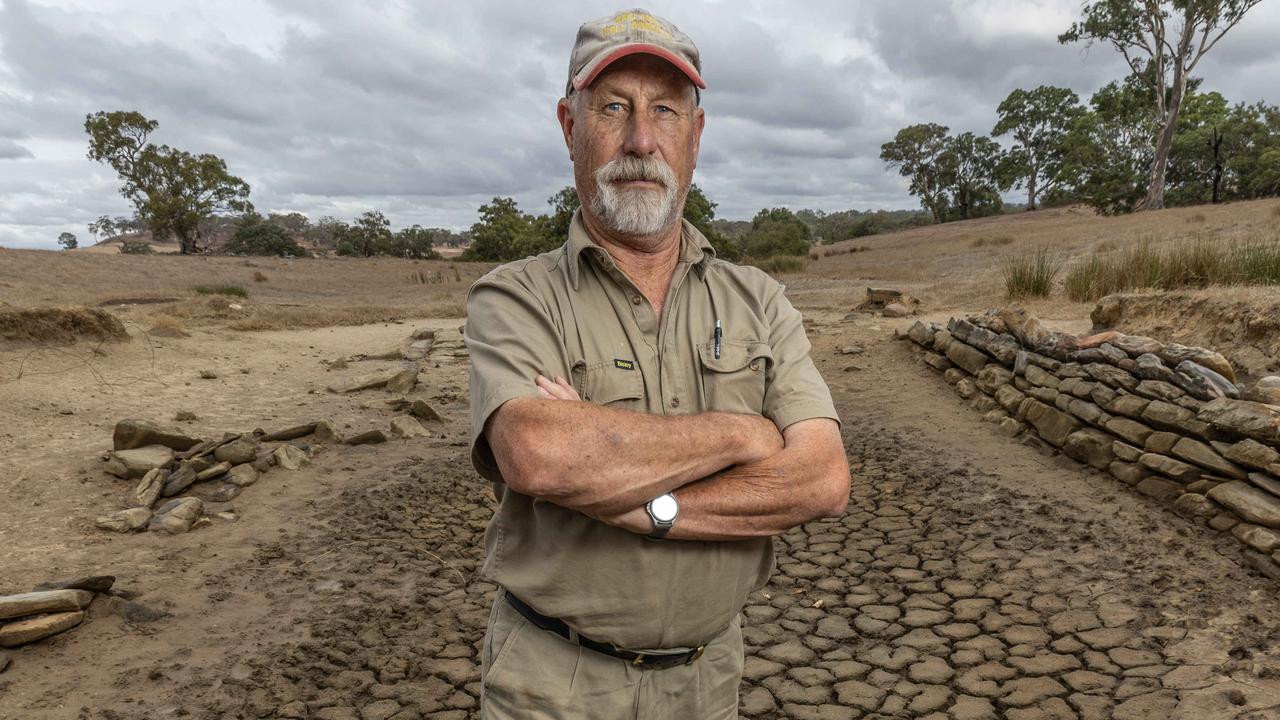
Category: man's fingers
<point>555,390</point>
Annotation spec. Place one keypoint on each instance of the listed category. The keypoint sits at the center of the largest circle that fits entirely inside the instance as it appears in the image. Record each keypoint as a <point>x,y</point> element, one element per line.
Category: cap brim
<point>593,69</point>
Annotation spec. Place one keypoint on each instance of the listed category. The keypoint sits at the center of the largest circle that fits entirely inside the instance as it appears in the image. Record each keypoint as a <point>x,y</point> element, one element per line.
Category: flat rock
<point>179,480</point>
<point>367,381</point>
<point>290,433</point>
<point>371,437</point>
<point>407,426</point>
<point>131,434</point>
<point>213,471</point>
<point>971,359</point>
<point>1173,354</point>
<point>423,411</point>
<point>92,583</point>
<point>1249,419</point>
<point>1250,503</point>
<point>40,627</point>
<point>134,518</point>
<point>136,462</point>
<point>290,457</point>
<point>403,381</point>
<point>1176,469</point>
<point>241,450</point>
<point>1201,454</point>
<point>242,475</point>
<point>176,516</point>
<point>325,433</point>
<point>1266,482</point>
<point>1252,453</point>
<point>1260,538</point>
<point>44,601</point>
<point>149,487</point>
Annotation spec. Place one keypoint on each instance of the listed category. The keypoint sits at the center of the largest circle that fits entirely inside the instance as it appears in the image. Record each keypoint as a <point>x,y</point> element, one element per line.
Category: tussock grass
<point>259,276</point>
<point>1031,273</point>
<point>779,264</point>
<point>222,289</point>
<point>1197,219</point>
<point>1195,263</point>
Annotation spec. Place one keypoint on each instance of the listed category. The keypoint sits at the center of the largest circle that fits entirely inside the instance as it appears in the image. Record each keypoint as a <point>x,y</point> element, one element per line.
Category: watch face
<point>664,508</point>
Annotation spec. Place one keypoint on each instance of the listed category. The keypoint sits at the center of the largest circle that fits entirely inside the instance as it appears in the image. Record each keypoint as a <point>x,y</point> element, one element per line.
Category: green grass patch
<point>1196,263</point>
<point>1031,273</point>
<point>223,289</point>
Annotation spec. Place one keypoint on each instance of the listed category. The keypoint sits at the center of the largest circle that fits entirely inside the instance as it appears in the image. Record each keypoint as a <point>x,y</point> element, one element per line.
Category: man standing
<point>649,416</point>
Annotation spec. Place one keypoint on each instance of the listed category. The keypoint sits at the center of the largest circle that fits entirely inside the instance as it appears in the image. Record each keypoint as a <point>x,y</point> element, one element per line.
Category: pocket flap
<point>735,355</point>
<point>605,384</point>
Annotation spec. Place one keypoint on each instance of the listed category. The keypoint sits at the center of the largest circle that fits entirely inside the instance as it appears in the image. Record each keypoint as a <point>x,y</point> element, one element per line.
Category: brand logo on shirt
<point>624,364</point>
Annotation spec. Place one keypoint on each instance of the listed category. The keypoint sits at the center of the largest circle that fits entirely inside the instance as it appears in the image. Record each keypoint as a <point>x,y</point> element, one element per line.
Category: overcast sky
<point>426,110</point>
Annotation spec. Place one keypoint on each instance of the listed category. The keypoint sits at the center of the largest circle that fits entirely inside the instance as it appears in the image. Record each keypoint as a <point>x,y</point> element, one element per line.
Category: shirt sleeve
<point>795,390</point>
<point>511,338</point>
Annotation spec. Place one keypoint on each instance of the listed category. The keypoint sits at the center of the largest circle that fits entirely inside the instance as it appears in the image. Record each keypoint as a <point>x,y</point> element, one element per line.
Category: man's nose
<point>640,139</point>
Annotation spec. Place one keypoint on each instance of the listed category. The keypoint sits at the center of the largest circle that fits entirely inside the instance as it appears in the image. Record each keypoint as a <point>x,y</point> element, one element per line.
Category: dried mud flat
<point>972,577</point>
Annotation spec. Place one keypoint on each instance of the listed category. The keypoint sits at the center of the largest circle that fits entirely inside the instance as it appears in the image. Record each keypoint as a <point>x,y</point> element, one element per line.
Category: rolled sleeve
<point>511,338</point>
<point>796,390</point>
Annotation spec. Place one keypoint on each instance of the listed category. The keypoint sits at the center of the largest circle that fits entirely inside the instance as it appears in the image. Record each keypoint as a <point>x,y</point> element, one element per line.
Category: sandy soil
<point>973,576</point>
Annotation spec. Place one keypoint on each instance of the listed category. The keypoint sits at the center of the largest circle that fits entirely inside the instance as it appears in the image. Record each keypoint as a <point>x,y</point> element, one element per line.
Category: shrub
<point>136,247</point>
<point>997,241</point>
<point>1031,274</point>
<point>776,231</point>
<point>779,264</point>
<point>264,239</point>
<point>258,276</point>
<point>223,289</point>
<point>1195,263</point>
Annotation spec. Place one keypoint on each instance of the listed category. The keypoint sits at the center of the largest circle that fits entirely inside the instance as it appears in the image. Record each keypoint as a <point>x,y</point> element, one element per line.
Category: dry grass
<point>1031,273</point>
<point>59,325</point>
<point>1196,263</point>
<point>1197,219</point>
<point>779,264</point>
<point>223,289</point>
<point>997,241</point>
<point>259,276</point>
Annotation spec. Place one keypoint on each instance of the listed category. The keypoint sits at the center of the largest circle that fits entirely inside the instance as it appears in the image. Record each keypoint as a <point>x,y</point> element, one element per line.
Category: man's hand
<point>557,389</point>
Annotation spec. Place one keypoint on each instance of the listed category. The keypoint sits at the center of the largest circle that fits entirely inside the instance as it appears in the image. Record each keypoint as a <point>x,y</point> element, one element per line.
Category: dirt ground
<point>972,576</point>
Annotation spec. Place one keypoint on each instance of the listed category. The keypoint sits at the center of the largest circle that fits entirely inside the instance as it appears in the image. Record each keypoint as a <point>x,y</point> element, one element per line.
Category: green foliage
<point>173,190</point>
<point>1031,274</point>
<point>1038,121</point>
<point>504,233</point>
<point>263,239</point>
<point>371,231</point>
<point>104,225</point>
<point>1108,150</point>
<point>972,168</point>
<point>700,211</point>
<point>916,152</point>
<point>67,241</point>
<point>776,231</point>
<point>136,247</point>
<point>222,289</point>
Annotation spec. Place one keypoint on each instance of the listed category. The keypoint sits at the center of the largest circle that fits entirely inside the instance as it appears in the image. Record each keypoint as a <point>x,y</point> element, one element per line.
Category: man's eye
<point>663,109</point>
<point>613,107</point>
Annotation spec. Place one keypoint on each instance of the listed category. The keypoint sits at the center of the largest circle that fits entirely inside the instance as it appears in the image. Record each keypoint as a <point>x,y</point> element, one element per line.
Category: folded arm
<point>603,462</point>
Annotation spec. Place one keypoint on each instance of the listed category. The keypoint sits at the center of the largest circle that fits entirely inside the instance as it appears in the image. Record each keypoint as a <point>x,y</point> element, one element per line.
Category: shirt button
<point>675,402</point>
<point>755,366</point>
<point>635,299</point>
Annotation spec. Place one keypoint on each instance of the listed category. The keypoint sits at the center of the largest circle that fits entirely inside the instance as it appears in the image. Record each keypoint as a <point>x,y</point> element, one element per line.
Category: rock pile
<point>50,609</point>
<point>1167,419</point>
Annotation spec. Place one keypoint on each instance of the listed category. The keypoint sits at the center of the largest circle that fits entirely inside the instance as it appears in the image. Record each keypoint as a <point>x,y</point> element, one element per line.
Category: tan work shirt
<point>572,312</point>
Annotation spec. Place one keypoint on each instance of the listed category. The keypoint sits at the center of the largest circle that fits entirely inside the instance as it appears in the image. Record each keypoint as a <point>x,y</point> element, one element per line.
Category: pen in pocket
<point>718,335</point>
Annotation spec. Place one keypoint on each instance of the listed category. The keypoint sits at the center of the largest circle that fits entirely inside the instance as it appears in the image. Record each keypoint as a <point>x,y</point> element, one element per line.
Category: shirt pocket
<point>735,381</point>
<point>604,383</point>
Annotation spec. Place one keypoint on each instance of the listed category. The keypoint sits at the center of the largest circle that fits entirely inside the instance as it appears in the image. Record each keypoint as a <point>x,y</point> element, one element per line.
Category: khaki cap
<point>601,42</point>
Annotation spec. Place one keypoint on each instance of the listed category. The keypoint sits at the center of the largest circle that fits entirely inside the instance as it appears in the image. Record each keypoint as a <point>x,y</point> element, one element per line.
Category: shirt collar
<point>695,249</point>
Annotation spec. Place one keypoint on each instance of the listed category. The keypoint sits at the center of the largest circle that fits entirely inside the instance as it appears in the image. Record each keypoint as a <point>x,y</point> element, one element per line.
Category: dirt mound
<point>58,326</point>
<point>1244,326</point>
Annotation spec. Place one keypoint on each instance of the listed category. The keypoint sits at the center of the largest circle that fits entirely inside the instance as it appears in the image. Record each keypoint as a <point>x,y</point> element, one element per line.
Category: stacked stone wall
<point>1178,434</point>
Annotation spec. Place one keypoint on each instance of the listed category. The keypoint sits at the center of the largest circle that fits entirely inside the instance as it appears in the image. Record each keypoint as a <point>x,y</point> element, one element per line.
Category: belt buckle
<point>638,660</point>
<point>697,653</point>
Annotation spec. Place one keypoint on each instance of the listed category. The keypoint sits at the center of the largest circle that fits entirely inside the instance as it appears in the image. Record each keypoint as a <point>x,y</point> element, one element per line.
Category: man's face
<point>633,137</point>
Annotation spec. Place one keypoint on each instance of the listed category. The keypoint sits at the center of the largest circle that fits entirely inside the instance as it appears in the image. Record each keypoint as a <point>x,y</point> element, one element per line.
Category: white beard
<point>638,212</point>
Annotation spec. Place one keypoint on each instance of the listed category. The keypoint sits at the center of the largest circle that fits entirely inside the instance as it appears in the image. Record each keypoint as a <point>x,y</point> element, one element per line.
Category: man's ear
<point>564,114</point>
<point>699,121</point>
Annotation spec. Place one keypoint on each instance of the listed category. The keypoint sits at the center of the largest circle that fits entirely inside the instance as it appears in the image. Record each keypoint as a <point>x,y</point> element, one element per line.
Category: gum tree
<point>1162,42</point>
<point>1038,121</point>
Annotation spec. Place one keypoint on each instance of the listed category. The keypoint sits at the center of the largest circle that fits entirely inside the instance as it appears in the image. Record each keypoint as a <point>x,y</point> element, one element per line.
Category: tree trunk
<point>1217,167</point>
<point>186,244</point>
<point>1031,191</point>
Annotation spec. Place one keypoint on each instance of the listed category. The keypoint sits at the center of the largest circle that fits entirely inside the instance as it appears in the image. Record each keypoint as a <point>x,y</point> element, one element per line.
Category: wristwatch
<point>662,511</point>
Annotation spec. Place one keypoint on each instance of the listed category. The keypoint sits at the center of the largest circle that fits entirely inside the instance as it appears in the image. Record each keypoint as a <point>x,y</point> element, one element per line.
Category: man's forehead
<point>643,70</point>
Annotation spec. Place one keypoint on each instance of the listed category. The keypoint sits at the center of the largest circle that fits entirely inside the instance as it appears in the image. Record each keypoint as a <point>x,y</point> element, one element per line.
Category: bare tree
<point>1162,42</point>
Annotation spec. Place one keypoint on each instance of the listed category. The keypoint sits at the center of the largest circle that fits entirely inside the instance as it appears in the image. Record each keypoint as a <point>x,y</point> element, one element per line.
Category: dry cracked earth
<point>952,589</point>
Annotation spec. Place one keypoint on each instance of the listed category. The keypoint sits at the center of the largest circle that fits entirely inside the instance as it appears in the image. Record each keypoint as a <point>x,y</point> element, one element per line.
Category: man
<point>649,416</point>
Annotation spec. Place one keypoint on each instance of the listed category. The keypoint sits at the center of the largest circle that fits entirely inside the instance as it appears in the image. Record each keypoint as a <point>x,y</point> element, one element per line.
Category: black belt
<point>644,661</point>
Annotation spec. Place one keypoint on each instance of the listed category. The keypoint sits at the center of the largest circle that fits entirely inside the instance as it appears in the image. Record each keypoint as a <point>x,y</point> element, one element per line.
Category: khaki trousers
<point>527,673</point>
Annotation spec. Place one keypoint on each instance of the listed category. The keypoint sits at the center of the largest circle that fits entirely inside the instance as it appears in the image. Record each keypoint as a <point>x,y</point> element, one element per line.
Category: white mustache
<point>630,168</point>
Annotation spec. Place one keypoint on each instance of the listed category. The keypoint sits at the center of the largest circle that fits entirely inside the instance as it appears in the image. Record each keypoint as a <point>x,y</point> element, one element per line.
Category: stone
<point>1042,378</point>
<point>1253,454</point>
<point>213,471</point>
<point>1224,521</point>
<point>1266,482</point>
<point>1162,442</point>
<point>1087,412</point>
<point>938,362</point>
<point>1049,396</point>
<point>1053,425</point>
<point>1173,354</point>
<point>1193,505</point>
<point>1201,454</point>
<point>1128,405</point>
<point>241,450</point>
<point>1011,427</point>
<point>290,457</point>
<point>404,381</point>
<point>92,583</point>
<point>966,389</point>
<point>971,359</point>
<point>1009,397</point>
<point>124,520</point>
<point>179,480</point>
<point>149,487</point>
<point>1259,538</point>
<point>242,475</point>
<point>368,381</point>
<point>1091,447</point>
<point>1151,367</point>
<point>953,376</point>
<point>992,377</point>
<point>31,629</point>
<point>856,693</point>
<point>1136,345</point>
<point>1125,451</point>
<point>226,492</point>
<point>1103,395</point>
<point>1128,473</point>
<point>1176,469</point>
<point>1202,383</point>
<point>370,437</point>
<point>920,333</point>
<point>1167,415</point>
<point>895,310</point>
<point>790,653</point>
<point>1111,375</point>
<point>176,516</point>
<point>1159,390</point>
<point>407,426</point>
<point>1160,489</point>
<point>1131,430</point>
<point>1248,502</point>
<point>324,433</point>
<point>132,434</point>
<point>290,433</point>
<point>44,601</point>
<point>137,462</point>
<point>1249,419</point>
